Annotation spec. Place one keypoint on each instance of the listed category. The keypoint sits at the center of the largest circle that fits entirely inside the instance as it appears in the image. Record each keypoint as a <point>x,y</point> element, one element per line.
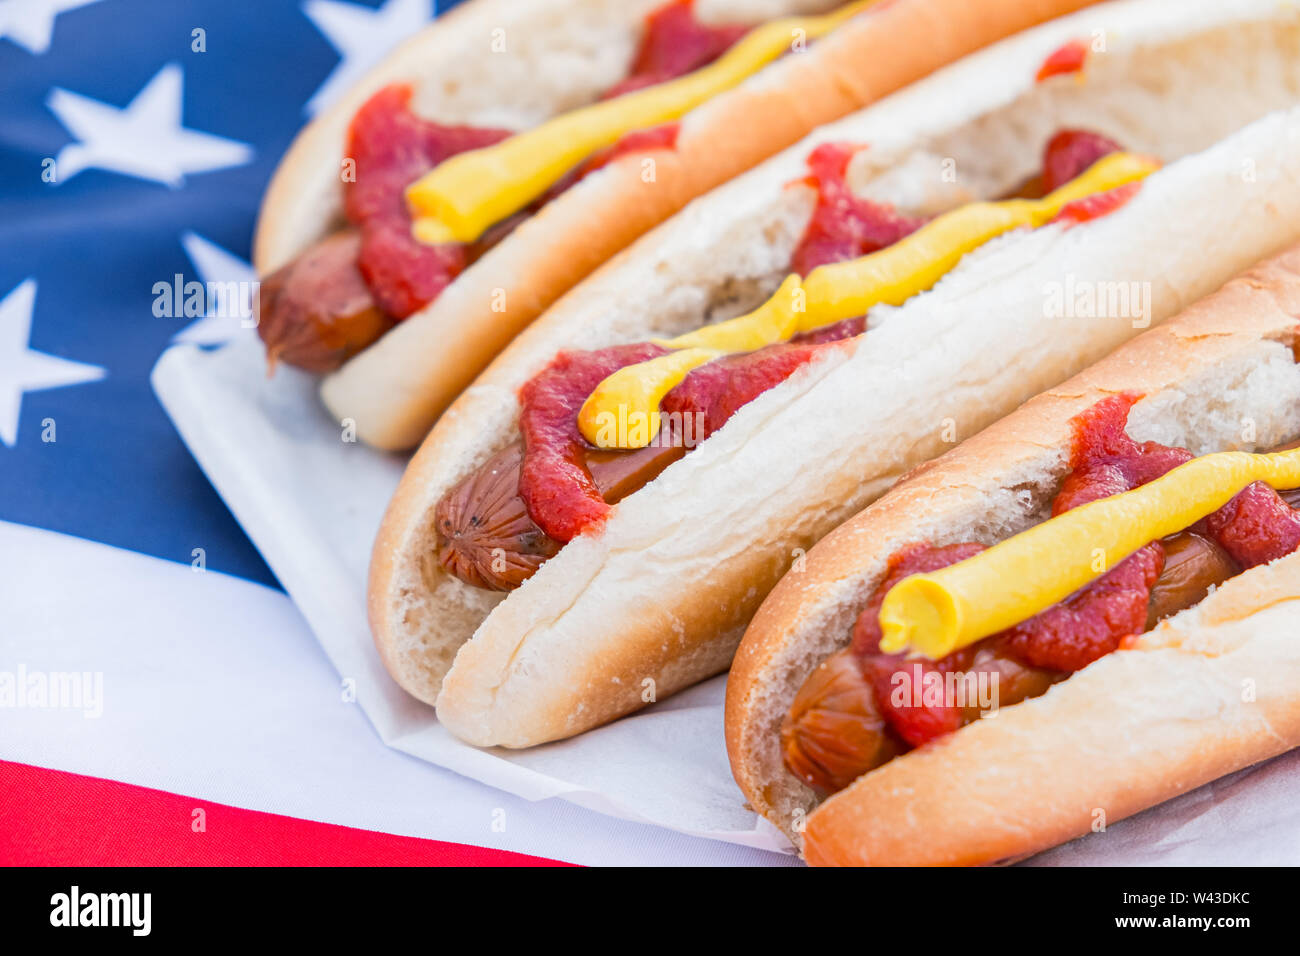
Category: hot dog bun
<point>664,592</point>
<point>460,77</point>
<point>560,54</point>
<point>1132,729</point>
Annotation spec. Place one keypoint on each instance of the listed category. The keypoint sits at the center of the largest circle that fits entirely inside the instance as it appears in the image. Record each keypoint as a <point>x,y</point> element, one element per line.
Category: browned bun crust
<point>395,390</point>
<point>1125,733</point>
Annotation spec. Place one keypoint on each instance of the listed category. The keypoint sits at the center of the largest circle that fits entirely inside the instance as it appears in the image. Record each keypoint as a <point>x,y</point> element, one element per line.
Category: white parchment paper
<point>312,502</point>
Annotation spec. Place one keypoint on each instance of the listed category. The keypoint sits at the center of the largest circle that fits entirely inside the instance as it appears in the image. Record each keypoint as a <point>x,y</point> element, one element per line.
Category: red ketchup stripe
<point>1097,205</point>
<point>1070,58</point>
<point>844,226</point>
<point>676,43</point>
<point>1070,152</point>
<point>392,147</point>
<point>55,818</point>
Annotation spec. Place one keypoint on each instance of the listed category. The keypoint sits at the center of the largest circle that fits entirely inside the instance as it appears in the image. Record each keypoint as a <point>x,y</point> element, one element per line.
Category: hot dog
<point>712,393</point>
<point>606,115</point>
<point>1205,562</point>
<point>814,328</point>
<point>1193,565</point>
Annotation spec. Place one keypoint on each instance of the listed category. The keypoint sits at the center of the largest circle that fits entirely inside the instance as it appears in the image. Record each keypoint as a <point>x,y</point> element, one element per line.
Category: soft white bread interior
<point>1132,729</point>
<point>394,390</point>
<point>665,592</point>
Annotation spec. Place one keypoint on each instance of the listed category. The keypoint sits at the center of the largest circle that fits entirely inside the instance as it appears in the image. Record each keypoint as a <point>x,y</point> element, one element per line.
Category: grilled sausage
<point>1193,564</point>
<point>485,535</point>
<point>834,731</point>
<point>317,312</point>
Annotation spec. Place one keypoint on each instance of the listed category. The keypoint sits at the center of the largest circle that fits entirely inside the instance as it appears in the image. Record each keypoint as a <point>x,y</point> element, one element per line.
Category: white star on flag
<point>362,36</point>
<point>30,23</point>
<point>215,264</point>
<point>144,139</point>
<point>25,370</point>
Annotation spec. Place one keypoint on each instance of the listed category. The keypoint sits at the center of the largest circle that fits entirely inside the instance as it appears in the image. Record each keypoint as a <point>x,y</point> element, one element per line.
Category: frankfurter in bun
<point>1110,571</point>
<point>592,524</point>
<point>403,241</point>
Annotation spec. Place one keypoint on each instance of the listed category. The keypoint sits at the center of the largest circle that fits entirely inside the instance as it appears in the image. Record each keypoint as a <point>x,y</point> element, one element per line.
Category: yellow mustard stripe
<point>935,614</point>
<point>916,263</point>
<point>833,293</point>
<point>461,198</point>
<point>623,411</point>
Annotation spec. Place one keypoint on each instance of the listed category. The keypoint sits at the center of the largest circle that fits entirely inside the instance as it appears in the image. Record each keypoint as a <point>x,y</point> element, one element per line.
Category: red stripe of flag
<point>51,817</point>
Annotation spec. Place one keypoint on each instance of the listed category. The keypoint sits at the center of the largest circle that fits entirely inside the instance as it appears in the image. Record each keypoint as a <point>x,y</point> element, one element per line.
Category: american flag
<point>149,713</point>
